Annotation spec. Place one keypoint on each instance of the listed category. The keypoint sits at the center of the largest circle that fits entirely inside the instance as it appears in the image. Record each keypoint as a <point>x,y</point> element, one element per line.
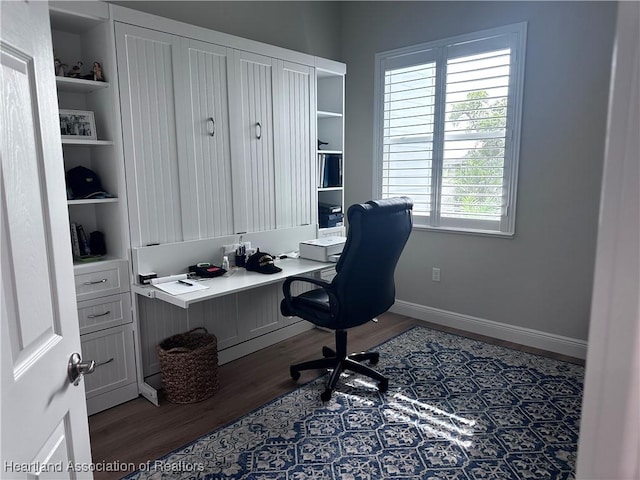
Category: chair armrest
<point>286,286</point>
<point>302,278</point>
<point>286,290</point>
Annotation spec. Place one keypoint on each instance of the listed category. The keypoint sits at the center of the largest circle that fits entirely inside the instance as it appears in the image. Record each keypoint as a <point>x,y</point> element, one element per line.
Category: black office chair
<point>362,289</point>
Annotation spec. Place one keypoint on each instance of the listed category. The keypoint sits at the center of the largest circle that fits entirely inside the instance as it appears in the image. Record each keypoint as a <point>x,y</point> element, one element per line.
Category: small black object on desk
<point>207,270</point>
<point>241,256</point>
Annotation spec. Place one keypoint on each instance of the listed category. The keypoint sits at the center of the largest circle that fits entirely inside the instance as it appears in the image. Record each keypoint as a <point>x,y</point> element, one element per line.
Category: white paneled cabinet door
<point>205,167</point>
<point>253,137</point>
<point>295,145</point>
<point>148,63</point>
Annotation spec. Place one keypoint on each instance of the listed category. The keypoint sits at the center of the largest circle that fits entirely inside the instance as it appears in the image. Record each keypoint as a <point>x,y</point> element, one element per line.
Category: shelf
<point>80,264</point>
<point>86,143</point>
<point>78,18</point>
<point>325,114</point>
<point>327,230</point>
<point>331,152</point>
<point>91,201</point>
<point>329,189</point>
<point>79,85</point>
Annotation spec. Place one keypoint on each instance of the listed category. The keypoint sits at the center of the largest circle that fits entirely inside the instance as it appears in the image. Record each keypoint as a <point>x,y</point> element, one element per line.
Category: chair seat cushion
<point>317,298</point>
<point>314,307</point>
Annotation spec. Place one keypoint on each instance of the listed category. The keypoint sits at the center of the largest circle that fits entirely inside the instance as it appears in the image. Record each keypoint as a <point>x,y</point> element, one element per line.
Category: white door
<point>610,426</point>
<point>44,416</point>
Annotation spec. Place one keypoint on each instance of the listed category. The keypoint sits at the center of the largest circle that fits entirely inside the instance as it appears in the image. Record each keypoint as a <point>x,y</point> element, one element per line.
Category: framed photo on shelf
<point>77,124</point>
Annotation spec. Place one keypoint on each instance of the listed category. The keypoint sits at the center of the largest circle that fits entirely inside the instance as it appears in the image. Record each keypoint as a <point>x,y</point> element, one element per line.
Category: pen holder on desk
<point>240,260</point>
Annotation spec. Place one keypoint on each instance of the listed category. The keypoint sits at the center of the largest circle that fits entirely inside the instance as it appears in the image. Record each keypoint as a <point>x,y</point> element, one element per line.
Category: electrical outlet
<point>435,274</point>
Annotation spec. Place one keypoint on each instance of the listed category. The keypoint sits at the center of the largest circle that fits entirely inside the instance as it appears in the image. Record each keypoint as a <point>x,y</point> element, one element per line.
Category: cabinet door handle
<point>258,130</point>
<point>212,131</point>
<point>99,364</point>
<point>104,280</point>
<point>96,315</point>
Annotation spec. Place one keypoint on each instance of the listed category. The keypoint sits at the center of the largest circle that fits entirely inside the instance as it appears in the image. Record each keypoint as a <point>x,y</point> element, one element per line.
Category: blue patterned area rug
<point>456,409</point>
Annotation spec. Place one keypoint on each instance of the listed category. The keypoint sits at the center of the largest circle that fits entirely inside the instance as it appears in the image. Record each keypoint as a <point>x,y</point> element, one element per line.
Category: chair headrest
<point>387,205</point>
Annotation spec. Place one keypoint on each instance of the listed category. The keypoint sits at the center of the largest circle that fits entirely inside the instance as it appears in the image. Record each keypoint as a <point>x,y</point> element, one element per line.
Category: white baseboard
<point>523,336</point>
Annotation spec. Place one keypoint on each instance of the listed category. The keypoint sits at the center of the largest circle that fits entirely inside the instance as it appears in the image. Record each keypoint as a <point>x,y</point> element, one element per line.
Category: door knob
<point>77,368</point>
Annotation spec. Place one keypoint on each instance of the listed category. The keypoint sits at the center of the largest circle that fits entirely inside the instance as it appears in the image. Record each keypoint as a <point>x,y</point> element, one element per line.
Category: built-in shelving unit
<point>83,32</point>
<point>330,135</point>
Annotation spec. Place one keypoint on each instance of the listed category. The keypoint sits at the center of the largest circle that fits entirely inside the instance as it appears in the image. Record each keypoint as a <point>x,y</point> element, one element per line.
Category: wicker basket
<point>189,365</point>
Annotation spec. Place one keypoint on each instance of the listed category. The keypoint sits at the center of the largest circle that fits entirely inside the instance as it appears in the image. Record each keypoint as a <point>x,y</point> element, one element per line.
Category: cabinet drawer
<point>104,312</point>
<point>99,280</point>
<point>112,350</point>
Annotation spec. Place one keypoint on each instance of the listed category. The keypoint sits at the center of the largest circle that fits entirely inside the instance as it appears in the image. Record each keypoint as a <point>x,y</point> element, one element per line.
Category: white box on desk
<point>320,249</point>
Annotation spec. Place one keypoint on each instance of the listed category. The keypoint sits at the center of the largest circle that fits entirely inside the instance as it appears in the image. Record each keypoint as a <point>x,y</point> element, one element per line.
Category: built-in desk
<point>242,309</point>
<point>239,281</point>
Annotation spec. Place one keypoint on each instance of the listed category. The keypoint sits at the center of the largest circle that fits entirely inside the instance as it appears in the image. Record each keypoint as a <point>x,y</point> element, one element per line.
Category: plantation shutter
<point>408,135</point>
<point>450,129</point>
<point>474,186</point>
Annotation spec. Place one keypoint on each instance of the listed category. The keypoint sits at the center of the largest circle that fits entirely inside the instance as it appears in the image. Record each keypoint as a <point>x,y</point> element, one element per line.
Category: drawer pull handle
<point>104,280</point>
<point>105,362</point>
<point>258,131</point>
<point>212,131</point>
<point>96,315</point>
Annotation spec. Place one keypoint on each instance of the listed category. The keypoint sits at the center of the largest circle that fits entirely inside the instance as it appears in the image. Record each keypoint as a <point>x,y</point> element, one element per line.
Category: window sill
<point>465,231</point>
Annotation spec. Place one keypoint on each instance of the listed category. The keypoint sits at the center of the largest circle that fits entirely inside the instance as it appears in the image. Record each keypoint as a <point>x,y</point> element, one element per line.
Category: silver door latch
<point>77,368</point>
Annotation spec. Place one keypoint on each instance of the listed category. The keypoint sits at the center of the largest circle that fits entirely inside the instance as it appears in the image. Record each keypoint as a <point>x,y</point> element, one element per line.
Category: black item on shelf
<point>97,243</point>
<point>331,170</point>
<point>85,183</point>
<point>326,220</point>
<point>329,208</point>
<point>83,241</point>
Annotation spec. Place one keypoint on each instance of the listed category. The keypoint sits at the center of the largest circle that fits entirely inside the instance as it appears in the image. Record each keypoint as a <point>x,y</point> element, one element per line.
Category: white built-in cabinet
<point>252,116</point>
<point>294,160</point>
<point>271,116</point>
<point>147,66</point>
<point>82,32</point>
<point>190,107</point>
<point>201,135</point>
<point>205,170</point>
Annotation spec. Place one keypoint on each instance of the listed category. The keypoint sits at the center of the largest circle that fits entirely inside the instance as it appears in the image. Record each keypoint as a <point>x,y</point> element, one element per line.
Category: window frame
<point>440,51</point>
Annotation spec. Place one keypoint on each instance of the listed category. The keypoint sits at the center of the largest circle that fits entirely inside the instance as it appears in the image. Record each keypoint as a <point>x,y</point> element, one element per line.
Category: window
<point>448,128</point>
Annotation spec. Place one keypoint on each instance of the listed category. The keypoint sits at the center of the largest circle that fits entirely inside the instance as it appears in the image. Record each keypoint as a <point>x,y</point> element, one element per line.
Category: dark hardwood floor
<point>138,431</point>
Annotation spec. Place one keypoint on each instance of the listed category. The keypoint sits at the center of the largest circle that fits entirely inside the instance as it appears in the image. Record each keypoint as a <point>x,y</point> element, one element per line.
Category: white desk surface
<point>240,280</point>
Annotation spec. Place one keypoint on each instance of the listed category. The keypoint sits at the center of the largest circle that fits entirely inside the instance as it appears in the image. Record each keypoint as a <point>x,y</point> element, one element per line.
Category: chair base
<point>338,361</point>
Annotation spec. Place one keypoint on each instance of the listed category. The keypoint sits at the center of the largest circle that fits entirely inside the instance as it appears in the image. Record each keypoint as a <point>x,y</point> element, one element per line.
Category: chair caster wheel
<point>294,374</point>
<point>383,386</point>
<point>328,352</point>
<point>375,358</point>
<point>326,395</point>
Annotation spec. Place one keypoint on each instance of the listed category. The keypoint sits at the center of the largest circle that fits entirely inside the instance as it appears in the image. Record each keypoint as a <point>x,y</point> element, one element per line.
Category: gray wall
<point>542,278</point>
<point>308,27</point>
